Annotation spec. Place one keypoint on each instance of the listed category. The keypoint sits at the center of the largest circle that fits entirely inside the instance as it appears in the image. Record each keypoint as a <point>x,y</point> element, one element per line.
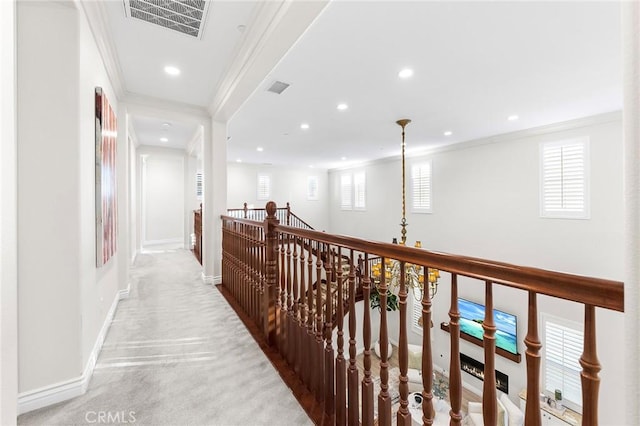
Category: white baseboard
<point>124,293</point>
<point>217,280</point>
<point>62,391</point>
<point>207,279</point>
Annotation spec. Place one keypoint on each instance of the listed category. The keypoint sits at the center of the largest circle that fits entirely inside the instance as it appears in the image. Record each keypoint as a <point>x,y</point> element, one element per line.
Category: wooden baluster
<point>270,332</point>
<point>590,369</point>
<point>532,341</point>
<point>319,368</point>
<point>262,265</point>
<point>289,319</point>
<point>404,417</point>
<point>428,413</point>
<point>353,417</point>
<point>310,318</point>
<point>367,382</point>
<point>245,210</point>
<point>288,214</point>
<point>329,380</point>
<point>283,297</point>
<point>302,316</point>
<point>243,257</point>
<point>455,377</point>
<point>384,400</point>
<point>341,378</point>
<point>489,401</point>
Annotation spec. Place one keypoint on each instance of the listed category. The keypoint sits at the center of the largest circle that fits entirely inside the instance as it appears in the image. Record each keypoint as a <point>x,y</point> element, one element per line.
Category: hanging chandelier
<point>414,274</point>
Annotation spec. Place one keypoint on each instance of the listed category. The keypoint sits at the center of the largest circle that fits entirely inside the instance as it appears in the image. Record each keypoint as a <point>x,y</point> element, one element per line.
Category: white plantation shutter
<point>562,345</point>
<point>416,312</point>
<point>421,187</point>
<point>360,191</point>
<point>564,177</point>
<point>345,192</point>
<point>264,187</point>
<point>199,181</point>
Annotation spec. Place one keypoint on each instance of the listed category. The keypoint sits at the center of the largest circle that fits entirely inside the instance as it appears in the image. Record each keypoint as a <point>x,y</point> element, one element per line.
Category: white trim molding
<point>217,279</point>
<point>208,279</point>
<point>62,391</point>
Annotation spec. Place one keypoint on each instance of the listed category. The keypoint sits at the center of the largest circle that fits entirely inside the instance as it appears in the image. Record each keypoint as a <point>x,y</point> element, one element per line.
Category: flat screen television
<point>472,316</point>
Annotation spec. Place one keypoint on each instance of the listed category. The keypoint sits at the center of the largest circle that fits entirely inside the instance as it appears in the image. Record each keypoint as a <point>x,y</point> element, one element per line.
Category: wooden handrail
<point>598,292</point>
<point>274,269</point>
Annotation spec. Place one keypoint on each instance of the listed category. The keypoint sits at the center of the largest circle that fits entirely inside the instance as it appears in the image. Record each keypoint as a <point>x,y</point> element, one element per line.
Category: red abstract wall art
<point>106,196</point>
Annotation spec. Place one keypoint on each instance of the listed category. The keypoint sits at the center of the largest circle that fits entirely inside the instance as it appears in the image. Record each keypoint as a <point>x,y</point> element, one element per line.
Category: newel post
<point>270,293</point>
<point>288,214</point>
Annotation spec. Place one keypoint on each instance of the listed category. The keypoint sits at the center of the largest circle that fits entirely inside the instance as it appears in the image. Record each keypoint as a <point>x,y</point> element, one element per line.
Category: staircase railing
<point>270,269</point>
<point>283,214</point>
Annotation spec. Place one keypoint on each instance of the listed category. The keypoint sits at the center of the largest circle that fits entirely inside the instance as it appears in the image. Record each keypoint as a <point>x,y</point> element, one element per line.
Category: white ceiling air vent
<point>184,16</point>
<point>278,87</point>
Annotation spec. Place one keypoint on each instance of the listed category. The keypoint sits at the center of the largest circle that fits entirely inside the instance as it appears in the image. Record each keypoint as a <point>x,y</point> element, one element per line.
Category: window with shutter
<point>312,188</point>
<point>345,192</point>
<point>416,313</point>
<point>564,179</point>
<point>199,182</point>
<point>562,348</point>
<point>421,187</point>
<point>359,185</point>
<point>264,187</point>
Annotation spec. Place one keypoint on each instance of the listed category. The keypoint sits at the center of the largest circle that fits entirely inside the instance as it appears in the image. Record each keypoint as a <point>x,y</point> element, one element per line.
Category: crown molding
<point>274,28</point>
<point>143,104</point>
<point>97,17</point>
<point>593,120</point>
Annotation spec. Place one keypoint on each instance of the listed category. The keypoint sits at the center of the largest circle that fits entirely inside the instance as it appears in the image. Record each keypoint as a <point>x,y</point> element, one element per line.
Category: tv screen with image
<point>472,317</point>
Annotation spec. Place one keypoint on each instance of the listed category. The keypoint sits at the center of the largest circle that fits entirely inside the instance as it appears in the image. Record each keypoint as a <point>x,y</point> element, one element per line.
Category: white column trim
<point>8,216</point>
<point>631,129</point>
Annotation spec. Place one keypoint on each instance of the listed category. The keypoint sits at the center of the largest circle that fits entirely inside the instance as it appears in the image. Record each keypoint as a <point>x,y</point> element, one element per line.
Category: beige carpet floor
<point>176,354</point>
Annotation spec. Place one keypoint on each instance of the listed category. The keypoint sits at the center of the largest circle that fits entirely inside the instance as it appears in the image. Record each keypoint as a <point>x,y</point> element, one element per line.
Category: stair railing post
<point>270,293</point>
<point>288,214</point>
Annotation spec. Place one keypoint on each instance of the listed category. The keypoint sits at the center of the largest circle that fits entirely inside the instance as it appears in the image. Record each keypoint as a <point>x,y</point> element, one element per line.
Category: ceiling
<point>475,64</point>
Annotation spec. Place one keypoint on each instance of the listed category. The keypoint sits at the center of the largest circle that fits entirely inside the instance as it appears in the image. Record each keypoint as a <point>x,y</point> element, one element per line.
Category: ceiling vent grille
<point>184,16</point>
<point>277,87</point>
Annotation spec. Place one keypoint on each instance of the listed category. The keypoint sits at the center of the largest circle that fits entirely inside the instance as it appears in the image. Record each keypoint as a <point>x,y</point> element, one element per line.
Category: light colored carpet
<point>177,354</point>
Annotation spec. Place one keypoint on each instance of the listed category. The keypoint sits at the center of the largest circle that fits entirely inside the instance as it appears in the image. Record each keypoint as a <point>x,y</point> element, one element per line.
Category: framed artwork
<point>312,188</point>
<point>106,196</point>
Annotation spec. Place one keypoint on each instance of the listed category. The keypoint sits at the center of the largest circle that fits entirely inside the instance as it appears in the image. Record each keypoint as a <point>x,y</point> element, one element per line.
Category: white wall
<point>8,218</point>
<point>99,286</point>
<point>485,204</point>
<point>163,195</point>
<point>288,185</point>
<point>64,300</point>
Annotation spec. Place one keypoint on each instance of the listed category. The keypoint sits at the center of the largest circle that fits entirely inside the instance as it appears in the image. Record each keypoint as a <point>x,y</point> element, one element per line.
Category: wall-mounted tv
<point>472,316</point>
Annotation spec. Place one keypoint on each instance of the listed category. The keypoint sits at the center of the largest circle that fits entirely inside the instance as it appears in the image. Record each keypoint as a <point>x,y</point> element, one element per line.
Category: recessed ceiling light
<point>343,158</point>
<point>238,161</point>
<point>448,133</point>
<point>405,73</point>
<point>311,166</point>
<point>259,149</point>
<point>166,124</point>
<point>512,117</point>
<point>342,107</point>
<point>171,70</point>
<point>304,126</point>
<point>164,140</point>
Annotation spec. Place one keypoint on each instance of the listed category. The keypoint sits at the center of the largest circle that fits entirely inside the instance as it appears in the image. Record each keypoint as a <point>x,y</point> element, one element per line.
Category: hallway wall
<point>163,195</point>
<point>64,300</point>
